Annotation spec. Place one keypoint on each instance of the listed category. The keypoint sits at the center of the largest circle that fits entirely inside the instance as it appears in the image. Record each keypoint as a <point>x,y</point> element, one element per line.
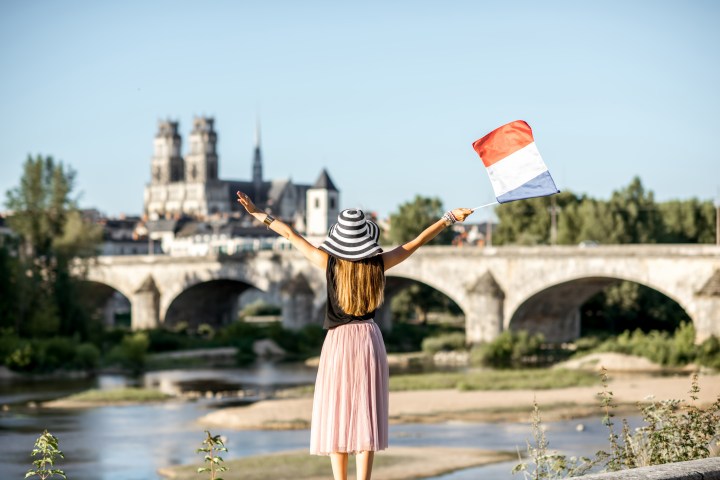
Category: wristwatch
<point>268,220</point>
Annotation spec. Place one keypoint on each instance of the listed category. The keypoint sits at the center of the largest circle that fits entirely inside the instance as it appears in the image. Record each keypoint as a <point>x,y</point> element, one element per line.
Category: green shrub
<point>303,343</point>
<point>444,342</point>
<point>708,353</point>
<point>56,353</point>
<point>163,340</point>
<point>674,349</point>
<point>672,431</point>
<point>131,353</point>
<point>258,308</point>
<point>509,350</point>
<point>87,356</point>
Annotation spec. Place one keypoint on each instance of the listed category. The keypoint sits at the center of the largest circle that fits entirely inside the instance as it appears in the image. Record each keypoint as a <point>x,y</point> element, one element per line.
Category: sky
<point>387,95</point>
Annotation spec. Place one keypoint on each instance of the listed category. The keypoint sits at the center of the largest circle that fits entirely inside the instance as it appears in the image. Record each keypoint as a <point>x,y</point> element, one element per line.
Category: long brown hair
<point>360,285</point>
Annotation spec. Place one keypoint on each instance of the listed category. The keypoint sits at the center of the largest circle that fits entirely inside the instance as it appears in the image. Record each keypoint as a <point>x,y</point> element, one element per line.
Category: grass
<point>118,395</point>
<point>533,379</point>
<point>295,465</point>
<point>523,379</point>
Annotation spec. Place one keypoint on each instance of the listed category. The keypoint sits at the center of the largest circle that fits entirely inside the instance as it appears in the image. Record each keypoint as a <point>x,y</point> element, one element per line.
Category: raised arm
<point>399,254</point>
<point>316,256</point>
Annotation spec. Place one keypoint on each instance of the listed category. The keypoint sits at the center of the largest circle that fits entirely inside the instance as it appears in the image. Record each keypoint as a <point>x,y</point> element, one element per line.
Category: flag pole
<point>486,205</point>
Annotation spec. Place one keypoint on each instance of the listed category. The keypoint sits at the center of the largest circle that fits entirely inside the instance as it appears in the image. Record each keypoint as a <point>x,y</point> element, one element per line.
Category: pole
<point>717,218</point>
<point>717,224</point>
<point>553,221</point>
<point>488,233</point>
<point>486,205</point>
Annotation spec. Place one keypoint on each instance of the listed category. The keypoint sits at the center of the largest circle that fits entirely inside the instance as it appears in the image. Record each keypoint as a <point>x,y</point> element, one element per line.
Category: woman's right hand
<point>245,201</point>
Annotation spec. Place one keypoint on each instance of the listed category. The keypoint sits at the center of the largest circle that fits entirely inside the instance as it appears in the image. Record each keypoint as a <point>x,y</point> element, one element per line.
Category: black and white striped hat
<point>353,237</point>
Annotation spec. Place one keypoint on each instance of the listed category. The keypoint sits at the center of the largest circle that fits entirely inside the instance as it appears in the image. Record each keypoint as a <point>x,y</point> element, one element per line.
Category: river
<point>132,442</point>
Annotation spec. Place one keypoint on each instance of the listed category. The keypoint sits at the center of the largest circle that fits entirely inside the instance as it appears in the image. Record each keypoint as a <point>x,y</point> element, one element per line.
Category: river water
<point>132,442</point>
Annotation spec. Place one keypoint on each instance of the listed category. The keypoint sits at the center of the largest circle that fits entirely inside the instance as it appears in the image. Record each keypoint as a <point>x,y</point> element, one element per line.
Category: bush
<point>87,356</point>
<point>444,342</point>
<point>259,308</point>
<point>163,340</point>
<point>56,353</point>
<point>661,347</point>
<point>708,353</point>
<point>509,350</point>
<point>131,353</point>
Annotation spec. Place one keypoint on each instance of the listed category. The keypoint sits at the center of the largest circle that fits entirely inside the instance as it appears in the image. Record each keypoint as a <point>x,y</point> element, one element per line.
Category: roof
<point>324,181</point>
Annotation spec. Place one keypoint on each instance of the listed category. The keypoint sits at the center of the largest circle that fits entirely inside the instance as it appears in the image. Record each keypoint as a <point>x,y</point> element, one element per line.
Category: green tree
<point>50,235</point>
<point>687,221</point>
<point>630,216</point>
<point>413,217</point>
<point>636,218</point>
<point>528,222</point>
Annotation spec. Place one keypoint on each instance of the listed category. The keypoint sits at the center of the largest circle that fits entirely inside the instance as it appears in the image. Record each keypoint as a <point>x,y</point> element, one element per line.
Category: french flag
<point>514,164</point>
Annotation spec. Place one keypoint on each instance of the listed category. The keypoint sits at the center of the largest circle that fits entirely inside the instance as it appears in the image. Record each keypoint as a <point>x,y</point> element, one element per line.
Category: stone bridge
<point>534,288</point>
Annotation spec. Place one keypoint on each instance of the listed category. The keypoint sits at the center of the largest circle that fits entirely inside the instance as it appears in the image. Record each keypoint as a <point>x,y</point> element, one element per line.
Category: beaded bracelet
<point>449,218</point>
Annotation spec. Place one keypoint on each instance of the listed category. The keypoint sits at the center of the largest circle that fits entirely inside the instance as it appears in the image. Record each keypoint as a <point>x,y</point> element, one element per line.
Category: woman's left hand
<point>245,201</point>
<point>462,213</point>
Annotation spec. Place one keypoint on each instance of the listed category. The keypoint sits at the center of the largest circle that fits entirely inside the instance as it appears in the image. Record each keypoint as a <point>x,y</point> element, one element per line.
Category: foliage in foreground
<point>212,446</point>
<point>673,431</point>
<point>47,448</point>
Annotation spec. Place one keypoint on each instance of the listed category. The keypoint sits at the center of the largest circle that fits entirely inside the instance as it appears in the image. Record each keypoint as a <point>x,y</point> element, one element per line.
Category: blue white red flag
<point>514,164</point>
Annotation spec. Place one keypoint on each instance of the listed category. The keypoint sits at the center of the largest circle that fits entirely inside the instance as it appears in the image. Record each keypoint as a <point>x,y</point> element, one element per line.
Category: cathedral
<point>188,185</point>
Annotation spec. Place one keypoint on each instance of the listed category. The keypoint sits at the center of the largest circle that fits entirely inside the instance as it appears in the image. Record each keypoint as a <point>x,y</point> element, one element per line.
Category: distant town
<point>189,211</point>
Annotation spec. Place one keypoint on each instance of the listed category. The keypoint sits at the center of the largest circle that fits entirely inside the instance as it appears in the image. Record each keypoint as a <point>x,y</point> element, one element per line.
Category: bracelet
<point>449,218</point>
<point>268,220</point>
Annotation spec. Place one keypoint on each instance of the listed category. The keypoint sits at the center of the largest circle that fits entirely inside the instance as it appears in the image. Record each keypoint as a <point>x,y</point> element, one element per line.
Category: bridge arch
<point>174,289</point>
<point>106,302</point>
<point>555,309</point>
<point>213,301</point>
<point>395,284</point>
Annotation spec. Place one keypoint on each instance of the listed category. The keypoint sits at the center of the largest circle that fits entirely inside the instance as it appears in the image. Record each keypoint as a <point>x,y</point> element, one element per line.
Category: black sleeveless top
<point>334,315</point>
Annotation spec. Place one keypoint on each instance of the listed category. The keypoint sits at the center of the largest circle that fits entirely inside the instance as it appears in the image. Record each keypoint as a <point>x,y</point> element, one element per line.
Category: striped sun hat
<point>353,237</point>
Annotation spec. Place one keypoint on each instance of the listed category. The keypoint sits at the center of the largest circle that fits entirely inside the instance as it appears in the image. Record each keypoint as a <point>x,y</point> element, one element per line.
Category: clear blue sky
<point>388,95</point>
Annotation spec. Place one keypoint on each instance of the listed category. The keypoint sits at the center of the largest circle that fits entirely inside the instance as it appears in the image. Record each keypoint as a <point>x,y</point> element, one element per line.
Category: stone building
<point>188,185</point>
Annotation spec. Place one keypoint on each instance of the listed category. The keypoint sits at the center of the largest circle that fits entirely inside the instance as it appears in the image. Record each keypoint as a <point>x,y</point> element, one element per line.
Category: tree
<point>687,221</point>
<point>50,234</point>
<point>630,216</point>
<point>413,217</point>
<point>528,222</point>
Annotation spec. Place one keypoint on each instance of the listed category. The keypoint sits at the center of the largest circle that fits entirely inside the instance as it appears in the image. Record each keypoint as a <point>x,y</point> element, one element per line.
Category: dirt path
<point>441,405</point>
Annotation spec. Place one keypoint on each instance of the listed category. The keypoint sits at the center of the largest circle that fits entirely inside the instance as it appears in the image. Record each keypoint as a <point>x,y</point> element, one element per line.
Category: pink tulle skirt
<point>350,409</point>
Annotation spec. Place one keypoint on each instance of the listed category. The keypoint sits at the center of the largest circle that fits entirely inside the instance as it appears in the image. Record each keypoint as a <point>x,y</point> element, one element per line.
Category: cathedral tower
<point>257,177</point>
<point>201,164</point>
<point>167,163</point>
<point>322,206</point>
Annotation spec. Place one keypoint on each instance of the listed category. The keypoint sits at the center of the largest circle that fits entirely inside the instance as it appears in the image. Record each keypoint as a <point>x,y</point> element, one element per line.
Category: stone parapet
<point>705,469</point>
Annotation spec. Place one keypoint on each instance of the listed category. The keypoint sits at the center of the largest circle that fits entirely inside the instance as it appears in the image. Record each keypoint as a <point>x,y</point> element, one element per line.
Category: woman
<point>350,408</point>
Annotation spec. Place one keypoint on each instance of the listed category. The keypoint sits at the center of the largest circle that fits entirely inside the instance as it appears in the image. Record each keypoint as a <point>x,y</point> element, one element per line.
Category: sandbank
<point>507,405</point>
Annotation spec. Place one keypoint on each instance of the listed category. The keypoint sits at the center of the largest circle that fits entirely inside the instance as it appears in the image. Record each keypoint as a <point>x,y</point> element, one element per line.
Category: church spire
<point>257,166</point>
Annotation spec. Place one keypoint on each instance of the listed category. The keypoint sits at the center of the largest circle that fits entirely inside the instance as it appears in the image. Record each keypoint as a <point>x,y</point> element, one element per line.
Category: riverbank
<point>396,463</point>
<point>427,406</point>
<point>110,397</point>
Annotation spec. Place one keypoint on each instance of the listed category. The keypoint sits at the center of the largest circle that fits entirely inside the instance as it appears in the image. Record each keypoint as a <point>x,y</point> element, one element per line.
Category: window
<point>332,203</point>
<point>317,203</point>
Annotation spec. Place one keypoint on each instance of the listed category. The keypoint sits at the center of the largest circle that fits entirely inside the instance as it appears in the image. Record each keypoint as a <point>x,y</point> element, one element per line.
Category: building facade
<point>188,185</point>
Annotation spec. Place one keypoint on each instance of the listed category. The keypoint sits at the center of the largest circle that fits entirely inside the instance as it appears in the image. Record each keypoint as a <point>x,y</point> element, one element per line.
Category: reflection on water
<point>129,443</point>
